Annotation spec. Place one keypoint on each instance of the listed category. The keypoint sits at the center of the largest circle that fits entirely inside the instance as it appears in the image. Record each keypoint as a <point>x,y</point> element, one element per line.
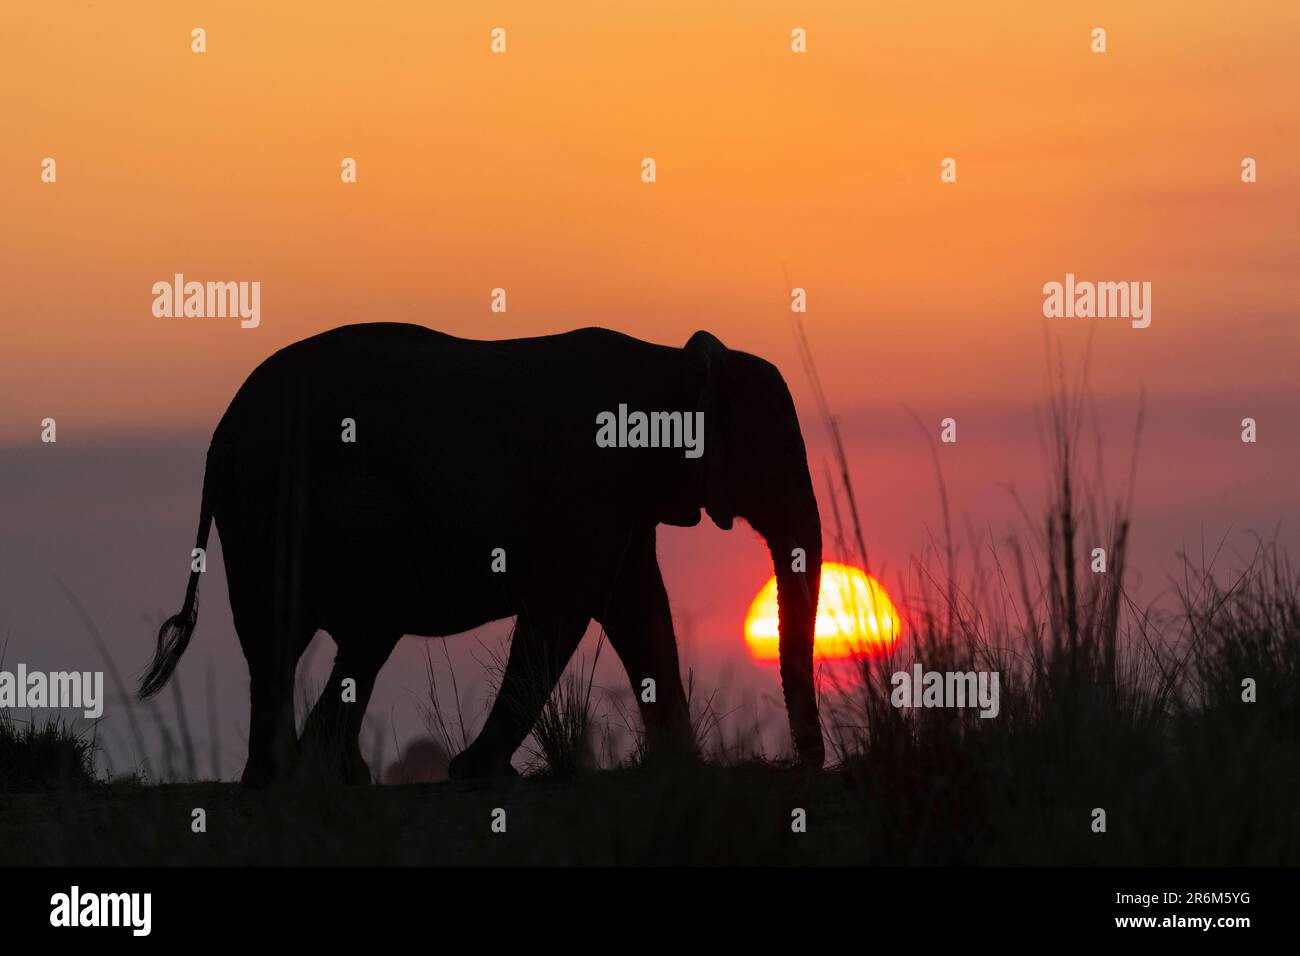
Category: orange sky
<point>522,171</point>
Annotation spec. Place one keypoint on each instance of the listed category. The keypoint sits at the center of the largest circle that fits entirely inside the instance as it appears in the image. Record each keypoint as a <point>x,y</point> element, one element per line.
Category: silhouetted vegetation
<point>41,756</point>
<point>1180,724</point>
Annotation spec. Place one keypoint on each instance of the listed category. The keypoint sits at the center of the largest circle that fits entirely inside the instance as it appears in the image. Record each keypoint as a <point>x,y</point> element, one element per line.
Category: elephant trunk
<point>797,592</point>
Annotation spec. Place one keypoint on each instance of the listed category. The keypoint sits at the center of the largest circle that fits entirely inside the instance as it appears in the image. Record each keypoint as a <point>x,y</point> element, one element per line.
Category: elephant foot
<point>671,748</point>
<point>270,765</point>
<point>470,765</point>
<point>333,762</point>
<point>350,768</point>
<point>257,775</point>
<point>666,759</point>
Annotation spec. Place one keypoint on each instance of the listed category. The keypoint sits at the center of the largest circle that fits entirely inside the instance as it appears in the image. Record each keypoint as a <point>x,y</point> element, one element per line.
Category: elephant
<point>384,479</point>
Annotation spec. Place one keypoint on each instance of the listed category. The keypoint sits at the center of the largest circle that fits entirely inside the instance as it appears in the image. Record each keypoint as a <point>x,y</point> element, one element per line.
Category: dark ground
<point>722,816</point>
<point>712,815</point>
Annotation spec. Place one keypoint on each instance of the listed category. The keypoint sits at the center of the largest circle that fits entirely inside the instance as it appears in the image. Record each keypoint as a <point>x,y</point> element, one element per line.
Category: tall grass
<point>40,756</point>
<point>1103,702</point>
<point>563,742</point>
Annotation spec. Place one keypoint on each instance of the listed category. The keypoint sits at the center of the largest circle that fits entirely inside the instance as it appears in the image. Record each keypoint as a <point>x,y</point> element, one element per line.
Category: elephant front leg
<point>539,651</point>
<point>639,624</point>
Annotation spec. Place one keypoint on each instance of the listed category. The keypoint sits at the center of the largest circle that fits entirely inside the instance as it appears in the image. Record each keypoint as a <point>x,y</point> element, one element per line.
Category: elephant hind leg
<point>331,735</point>
<point>539,651</point>
<point>272,665</point>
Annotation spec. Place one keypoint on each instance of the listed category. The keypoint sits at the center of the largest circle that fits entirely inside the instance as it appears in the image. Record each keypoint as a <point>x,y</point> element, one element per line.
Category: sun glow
<point>854,616</point>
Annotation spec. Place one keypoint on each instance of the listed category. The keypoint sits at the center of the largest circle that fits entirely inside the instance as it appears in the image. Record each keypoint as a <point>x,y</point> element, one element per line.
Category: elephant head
<point>755,467</point>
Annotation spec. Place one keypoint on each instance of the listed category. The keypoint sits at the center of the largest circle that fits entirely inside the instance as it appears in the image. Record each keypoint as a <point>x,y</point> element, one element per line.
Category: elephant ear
<point>714,402</point>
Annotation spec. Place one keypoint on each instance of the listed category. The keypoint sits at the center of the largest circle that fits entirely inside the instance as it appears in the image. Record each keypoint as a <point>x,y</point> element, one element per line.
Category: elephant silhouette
<point>384,479</point>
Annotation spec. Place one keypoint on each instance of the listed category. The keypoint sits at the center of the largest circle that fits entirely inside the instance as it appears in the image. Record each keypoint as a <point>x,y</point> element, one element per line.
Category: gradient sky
<point>522,171</point>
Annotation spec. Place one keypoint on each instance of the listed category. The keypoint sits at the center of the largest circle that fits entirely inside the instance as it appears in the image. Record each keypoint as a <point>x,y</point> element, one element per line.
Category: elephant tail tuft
<point>175,633</point>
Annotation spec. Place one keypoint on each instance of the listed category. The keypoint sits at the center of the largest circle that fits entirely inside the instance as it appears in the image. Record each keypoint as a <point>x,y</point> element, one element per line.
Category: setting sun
<point>854,616</point>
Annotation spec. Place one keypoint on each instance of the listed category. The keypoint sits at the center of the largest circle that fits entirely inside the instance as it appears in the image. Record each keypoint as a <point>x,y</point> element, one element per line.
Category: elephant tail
<point>175,633</point>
